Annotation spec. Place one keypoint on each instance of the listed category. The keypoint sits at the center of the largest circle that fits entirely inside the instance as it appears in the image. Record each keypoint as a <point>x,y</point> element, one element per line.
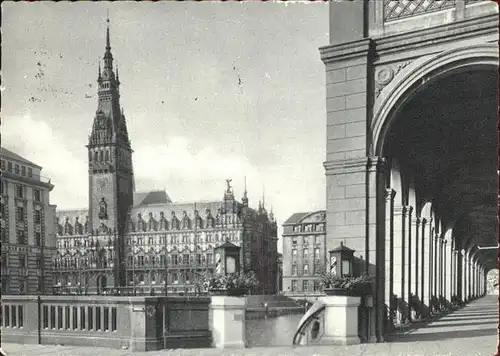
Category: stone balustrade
<point>137,323</point>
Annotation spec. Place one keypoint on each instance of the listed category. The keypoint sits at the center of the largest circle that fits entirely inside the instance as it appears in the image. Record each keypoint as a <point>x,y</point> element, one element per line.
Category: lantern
<point>227,258</point>
<point>341,261</point>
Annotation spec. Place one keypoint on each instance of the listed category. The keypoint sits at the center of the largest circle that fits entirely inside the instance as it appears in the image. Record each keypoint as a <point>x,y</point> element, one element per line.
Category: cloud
<point>41,144</point>
<point>188,173</point>
<point>185,171</point>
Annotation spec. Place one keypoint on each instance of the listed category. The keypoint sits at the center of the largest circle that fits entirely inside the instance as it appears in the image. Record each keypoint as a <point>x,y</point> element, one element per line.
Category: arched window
<point>95,156</point>
<point>101,156</point>
<point>107,156</point>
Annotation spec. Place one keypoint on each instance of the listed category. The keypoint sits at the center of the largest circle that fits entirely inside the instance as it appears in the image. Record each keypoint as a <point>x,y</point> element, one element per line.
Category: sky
<point>210,91</point>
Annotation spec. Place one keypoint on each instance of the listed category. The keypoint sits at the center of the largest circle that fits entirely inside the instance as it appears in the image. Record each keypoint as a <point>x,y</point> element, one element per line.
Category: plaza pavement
<point>471,331</point>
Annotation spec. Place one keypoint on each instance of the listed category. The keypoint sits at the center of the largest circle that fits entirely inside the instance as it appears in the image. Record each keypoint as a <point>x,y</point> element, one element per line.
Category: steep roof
<point>295,218</point>
<point>14,156</point>
<point>152,197</point>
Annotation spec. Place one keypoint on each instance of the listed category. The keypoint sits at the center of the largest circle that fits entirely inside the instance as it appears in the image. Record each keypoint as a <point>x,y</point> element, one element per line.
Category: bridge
<point>469,331</point>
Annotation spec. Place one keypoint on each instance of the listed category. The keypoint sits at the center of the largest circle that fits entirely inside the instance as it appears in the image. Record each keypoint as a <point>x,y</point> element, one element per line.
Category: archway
<point>438,121</point>
<point>492,282</point>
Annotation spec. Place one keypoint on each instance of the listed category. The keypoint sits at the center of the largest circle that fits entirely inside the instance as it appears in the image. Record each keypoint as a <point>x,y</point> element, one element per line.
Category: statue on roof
<point>228,182</point>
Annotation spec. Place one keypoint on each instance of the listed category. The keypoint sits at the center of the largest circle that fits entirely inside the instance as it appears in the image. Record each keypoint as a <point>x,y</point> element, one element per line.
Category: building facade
<point>304,252</point>
<point>144,240</point>
<point>27,226</point>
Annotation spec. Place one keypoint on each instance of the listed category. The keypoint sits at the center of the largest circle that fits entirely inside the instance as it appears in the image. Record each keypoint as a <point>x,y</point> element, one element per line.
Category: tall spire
<point>108,46</point>
<point>245,196</point>
<point>108,57</point>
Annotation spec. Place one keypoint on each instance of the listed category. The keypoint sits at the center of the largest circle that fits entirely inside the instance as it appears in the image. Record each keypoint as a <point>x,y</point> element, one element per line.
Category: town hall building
<point>145,241</point>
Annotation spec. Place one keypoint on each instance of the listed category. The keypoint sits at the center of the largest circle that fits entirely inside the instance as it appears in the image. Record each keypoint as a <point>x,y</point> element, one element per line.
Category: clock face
<point>102,183</point>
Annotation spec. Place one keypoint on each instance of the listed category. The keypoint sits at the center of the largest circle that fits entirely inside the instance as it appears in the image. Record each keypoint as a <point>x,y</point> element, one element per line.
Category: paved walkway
<point>471,331</point>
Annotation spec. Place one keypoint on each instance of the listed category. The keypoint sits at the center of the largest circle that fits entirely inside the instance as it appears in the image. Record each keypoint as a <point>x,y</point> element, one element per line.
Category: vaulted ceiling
<point>446,138</point>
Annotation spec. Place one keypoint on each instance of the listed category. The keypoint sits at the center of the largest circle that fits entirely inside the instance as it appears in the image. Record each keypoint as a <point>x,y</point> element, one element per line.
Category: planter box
<point>337,291</point>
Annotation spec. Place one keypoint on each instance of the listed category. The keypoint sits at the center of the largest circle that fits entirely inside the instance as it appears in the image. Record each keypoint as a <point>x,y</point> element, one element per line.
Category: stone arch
<point>417,76</point>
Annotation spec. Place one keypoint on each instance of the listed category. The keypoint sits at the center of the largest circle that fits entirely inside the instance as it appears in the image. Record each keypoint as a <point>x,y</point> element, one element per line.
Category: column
<point>435,266</point>
<point>389,250</point>
<point>398,252</point>
<point>464,276</point>
<point>228,322</point>
<point>429,289</point>
<point>475,279</point>
<point>442,267</point>
<point>416,258</point>
<point>425,264</point>
<point>448,272</point>
<point>408,261</point>
<point>469,278</point>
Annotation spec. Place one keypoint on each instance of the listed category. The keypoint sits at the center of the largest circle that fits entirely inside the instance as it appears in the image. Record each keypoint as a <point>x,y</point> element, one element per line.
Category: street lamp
<point>341,261</point>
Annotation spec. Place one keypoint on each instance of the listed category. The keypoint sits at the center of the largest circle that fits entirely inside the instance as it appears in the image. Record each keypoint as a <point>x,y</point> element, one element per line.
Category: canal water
<point>272,331</point>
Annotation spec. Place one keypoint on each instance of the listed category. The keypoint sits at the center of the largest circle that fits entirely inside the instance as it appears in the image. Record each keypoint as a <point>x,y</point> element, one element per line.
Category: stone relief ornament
<point>385,75</point>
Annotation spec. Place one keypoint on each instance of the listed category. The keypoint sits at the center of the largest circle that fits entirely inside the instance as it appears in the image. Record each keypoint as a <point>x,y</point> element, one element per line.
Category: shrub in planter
<point>230,284</point>
<point>355,286</point>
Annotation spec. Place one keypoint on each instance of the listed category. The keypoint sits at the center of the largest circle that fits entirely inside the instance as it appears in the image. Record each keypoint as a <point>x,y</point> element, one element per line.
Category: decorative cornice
<point>346,51</point>
<point>434,36</point>
<point>354,165</point>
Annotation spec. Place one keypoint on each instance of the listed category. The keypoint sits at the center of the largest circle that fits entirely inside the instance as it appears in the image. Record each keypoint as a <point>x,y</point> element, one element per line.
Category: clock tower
<point>111,176</point>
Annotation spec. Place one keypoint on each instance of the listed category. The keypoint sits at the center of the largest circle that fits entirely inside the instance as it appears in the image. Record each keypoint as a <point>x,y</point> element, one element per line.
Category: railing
<point>137,290</point>
<point>138,323</point>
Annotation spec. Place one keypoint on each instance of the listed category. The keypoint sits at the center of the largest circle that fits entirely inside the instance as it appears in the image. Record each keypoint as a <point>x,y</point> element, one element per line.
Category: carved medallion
<point>385,75</point>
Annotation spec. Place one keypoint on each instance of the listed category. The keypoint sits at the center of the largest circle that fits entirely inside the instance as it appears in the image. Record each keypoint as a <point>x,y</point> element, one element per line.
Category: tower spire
<point>108,46</point>
<point>245,195</point>
<point>108,57</point>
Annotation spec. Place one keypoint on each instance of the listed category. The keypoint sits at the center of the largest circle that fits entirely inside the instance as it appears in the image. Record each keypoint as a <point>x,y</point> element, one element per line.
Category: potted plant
<point>333,284</point>
<point>234,284</point>
<point>345,286</point>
